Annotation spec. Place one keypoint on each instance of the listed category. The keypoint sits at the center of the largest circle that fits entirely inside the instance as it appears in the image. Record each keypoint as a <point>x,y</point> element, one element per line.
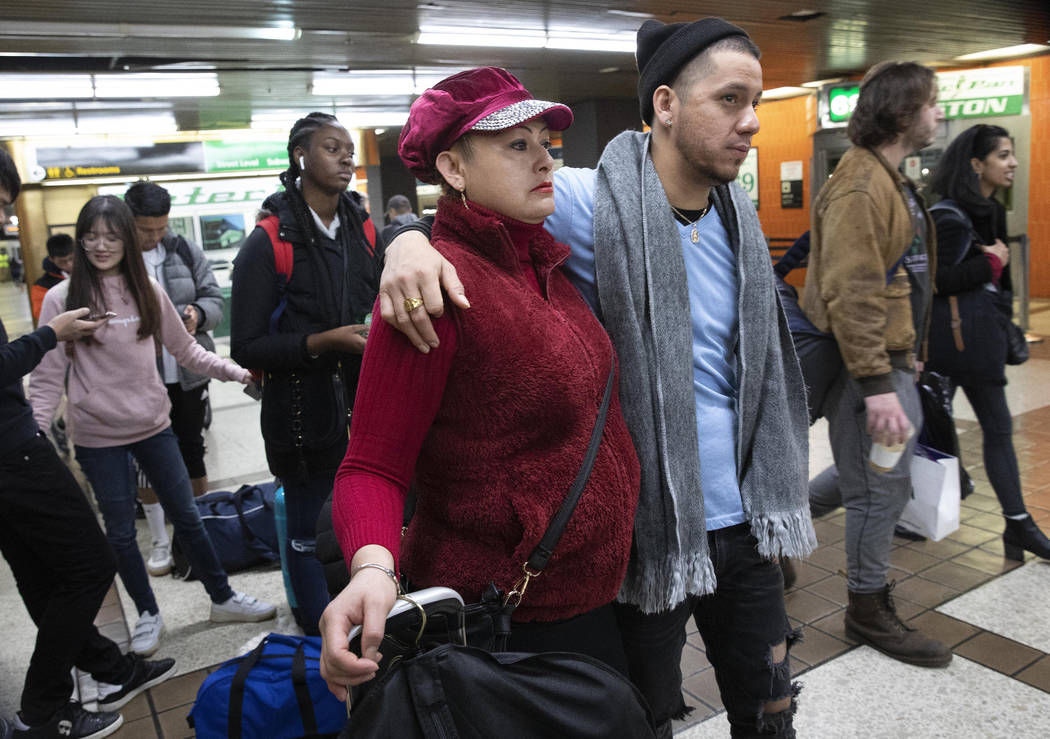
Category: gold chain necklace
<point>695,235</point>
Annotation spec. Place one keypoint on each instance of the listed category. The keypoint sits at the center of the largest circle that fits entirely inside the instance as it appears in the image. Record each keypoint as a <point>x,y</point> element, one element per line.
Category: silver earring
<point>463,198</point>
<point>667,122</point>
<point>302,163</point>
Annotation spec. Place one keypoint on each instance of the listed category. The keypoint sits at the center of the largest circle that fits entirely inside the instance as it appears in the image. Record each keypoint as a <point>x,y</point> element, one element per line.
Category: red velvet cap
<point>482,99</point>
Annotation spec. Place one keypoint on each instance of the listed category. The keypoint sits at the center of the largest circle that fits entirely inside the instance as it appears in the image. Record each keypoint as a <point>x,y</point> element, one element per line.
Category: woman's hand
<point>999,249</point>
<point>347,339</point>
<point>415,269</point>
<point>366,601</point>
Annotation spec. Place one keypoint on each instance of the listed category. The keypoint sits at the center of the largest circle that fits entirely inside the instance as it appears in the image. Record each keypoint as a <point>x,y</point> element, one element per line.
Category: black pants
<point>187,421</point>
<point>741,623</point>
<point>1000,460</point>
<point>63,566</point>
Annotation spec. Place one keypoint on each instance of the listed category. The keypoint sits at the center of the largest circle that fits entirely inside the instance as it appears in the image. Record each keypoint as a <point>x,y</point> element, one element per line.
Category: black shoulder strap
<point>543,551</point>
<point>950,206</point>
<point>179,245</point>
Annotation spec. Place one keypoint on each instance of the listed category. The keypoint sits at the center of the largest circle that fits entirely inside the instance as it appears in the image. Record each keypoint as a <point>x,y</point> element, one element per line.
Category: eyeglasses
<point>95,242</point>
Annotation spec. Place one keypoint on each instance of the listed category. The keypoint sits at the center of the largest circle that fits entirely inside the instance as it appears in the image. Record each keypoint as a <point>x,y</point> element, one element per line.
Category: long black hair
<point>85,283</point>
<point>955,178</point>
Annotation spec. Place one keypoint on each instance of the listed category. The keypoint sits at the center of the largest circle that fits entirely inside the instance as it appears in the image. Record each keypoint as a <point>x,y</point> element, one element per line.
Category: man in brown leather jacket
<point>870,284</point>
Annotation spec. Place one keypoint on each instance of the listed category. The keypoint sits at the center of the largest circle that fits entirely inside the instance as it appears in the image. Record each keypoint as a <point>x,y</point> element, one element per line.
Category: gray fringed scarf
<point>644,302</point>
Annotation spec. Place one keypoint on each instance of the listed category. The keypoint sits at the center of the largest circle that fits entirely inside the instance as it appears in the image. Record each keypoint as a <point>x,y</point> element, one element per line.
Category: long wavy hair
<point>891,96</point>
<point>955,178</point>
<point>85,282</point>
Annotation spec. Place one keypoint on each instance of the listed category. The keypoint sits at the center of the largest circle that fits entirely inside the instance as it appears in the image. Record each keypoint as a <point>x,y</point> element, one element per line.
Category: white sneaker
<point>160,561</point>
<point>241,607</point>
<point>146,639</point>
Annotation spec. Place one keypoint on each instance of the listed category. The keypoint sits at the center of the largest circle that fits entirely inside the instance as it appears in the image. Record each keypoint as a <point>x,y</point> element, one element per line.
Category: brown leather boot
<point>871,619</point>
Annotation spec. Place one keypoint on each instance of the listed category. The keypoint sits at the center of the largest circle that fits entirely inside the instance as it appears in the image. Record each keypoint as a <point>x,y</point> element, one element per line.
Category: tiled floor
<point>994,613</point>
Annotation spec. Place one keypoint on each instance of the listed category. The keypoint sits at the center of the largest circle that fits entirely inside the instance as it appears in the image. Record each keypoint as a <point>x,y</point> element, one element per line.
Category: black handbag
<point>1016,343</point>
<point>432,688</point>
<point>938,425</point>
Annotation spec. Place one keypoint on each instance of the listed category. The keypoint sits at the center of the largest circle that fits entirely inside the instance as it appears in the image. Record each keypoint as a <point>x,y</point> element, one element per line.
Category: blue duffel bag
<point>273,692</point>
<point>241,528</point>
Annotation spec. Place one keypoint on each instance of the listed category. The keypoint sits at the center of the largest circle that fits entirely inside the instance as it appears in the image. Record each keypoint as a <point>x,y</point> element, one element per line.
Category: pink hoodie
<point>116,395</point>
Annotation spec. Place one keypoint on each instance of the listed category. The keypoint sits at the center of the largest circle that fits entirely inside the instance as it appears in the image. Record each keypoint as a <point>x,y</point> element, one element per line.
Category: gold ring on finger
<point>412,303</point>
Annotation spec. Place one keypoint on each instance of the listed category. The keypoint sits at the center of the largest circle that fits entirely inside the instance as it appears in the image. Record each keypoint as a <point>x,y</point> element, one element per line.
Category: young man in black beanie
<point>670,254</point>
<point>59,556</point>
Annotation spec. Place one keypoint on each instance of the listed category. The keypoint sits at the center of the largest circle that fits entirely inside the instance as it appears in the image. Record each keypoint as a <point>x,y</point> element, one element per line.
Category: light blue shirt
<point>710,267</point>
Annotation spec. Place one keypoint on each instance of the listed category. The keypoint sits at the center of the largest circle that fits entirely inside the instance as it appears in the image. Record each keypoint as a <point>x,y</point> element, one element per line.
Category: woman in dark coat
<point>973,280</point>
<point>306,331</point>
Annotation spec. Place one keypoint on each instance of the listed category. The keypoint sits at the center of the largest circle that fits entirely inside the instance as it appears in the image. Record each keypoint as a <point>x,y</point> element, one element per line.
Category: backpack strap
<point>283,253</point>
<point>370,235</point>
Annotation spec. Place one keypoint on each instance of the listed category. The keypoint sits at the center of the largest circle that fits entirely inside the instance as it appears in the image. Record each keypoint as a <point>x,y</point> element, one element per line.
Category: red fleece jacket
<point>493,425</point>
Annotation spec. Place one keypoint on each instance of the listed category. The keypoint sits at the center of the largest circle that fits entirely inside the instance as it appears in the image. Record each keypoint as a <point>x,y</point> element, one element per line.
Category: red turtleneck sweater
<point>492,426</point>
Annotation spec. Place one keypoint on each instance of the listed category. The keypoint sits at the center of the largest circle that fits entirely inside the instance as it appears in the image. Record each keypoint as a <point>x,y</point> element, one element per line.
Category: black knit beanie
<point>664,48</point>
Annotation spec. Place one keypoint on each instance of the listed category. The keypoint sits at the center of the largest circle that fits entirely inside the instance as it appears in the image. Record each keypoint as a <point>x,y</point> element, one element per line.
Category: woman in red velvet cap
<point>491,428</point>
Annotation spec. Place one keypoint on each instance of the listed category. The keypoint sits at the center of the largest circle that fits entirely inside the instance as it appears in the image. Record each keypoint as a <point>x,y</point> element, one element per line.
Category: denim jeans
<point>303,499</point>
<point>63,567</point>
<point>112,479</point>
<point>1000,460</point>
<point>740,623</point>
<point>873,500</point>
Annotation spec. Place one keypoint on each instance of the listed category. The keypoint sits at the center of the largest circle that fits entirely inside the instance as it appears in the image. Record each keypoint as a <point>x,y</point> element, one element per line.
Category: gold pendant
<point>695,236</point>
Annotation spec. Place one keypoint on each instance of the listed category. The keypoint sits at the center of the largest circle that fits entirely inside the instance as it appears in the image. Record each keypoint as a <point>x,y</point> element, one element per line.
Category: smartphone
<point>100,316</point>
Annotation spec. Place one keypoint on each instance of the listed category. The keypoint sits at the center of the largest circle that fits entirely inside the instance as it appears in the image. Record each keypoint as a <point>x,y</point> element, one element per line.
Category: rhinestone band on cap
<point>512,115</point>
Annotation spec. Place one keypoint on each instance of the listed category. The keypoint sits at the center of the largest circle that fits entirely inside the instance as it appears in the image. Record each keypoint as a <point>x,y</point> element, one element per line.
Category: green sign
<point>747,177</point>
<point>841,102</point>
<point>973,93</point>
<point>970,93</point>
<point>240,156</point>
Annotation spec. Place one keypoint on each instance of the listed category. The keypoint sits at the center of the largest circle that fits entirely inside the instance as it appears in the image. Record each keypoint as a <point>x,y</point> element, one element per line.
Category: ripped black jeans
<point>740,623</point>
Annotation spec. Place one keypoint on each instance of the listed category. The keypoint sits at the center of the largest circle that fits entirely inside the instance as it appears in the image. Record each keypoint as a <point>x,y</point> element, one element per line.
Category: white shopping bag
<point>933,510</point>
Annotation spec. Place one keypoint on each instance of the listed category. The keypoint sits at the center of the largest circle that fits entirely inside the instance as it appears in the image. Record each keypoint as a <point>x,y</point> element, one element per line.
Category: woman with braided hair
<point>305,330</point>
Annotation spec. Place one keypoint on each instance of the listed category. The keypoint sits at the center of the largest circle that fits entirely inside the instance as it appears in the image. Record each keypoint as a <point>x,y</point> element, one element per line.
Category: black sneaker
<point>73,722</point>
<point>146,674</point>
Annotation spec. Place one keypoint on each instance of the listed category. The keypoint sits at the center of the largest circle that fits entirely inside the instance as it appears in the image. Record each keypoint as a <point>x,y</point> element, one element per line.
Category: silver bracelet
<point>382,568</point>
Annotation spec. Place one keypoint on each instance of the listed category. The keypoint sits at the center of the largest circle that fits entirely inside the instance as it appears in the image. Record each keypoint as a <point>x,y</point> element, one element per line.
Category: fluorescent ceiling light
<point>577,40</point>
<point>275,120</point>
<point>45,86</point>
<point>156,85</point>
<point>780,93</point>
<point>146,124</point>
<point>19,127</point>
<point>338,84</point>
<point>374,119</point>
<point>465,36</point>
<point>1004,52</point>
<point>378,83</point>
<point>625,42</point>
<point>821,83</point>
<point>283,31</point>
